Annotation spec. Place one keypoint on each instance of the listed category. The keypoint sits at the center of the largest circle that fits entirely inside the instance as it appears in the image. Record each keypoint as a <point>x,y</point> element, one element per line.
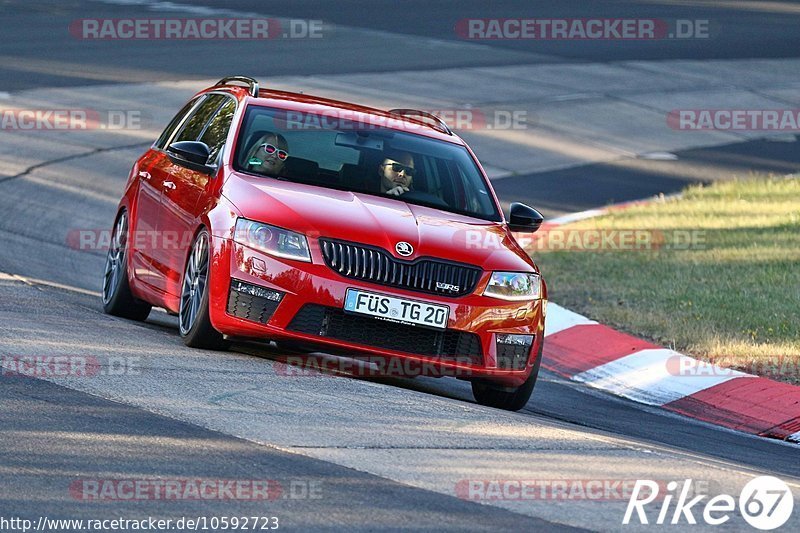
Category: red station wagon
<point>331,226</point>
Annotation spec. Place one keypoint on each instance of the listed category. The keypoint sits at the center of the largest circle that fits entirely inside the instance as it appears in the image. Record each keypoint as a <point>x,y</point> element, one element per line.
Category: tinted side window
<point>194,127</point>
<point>167,133</point>
<point>217,130</point>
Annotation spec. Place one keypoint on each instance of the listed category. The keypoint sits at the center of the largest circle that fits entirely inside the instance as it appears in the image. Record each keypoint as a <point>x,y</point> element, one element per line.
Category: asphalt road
<point>736,30</point>
<point>228,416</point>
<point>37,51</point>
<point>51,447</point>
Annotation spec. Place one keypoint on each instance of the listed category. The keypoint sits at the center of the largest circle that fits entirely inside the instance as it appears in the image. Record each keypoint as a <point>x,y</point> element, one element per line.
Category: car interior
<point>349,160</point>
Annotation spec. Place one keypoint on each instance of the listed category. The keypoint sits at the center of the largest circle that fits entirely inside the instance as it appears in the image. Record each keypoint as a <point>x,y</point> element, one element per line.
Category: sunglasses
<point>397,167</point>
<point>270,149</point>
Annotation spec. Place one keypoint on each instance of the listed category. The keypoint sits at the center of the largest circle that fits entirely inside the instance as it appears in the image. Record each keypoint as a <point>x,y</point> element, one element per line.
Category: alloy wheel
<point>115,259</point>
<point>194,284</point>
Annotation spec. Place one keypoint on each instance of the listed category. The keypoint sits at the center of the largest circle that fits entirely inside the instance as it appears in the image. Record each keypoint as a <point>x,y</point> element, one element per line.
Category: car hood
<point>320,212</point>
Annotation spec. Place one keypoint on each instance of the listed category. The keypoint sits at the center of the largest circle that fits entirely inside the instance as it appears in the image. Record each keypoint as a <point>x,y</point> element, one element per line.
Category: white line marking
<point>53,284</point>
<point>574,96</point>
<point>783,138</point>
<point>656,376</point>
<point>659,156</point>
<point>580,215</point>
<point>559,319</point>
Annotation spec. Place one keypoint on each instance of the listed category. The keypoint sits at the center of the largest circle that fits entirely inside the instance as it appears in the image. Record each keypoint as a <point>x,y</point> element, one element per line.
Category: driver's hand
<point>397,191</point>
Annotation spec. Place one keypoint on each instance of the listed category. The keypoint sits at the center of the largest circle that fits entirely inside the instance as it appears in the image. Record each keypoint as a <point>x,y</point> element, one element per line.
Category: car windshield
<point>355,156</point>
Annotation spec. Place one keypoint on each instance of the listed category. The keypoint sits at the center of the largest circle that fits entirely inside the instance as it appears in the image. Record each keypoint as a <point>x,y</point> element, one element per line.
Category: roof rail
<point>440,125</point>
<point>251,83</point>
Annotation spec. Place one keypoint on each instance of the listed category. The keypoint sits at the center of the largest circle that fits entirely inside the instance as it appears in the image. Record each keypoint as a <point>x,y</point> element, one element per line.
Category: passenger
<point>396,173</point>
<point>268,154</point>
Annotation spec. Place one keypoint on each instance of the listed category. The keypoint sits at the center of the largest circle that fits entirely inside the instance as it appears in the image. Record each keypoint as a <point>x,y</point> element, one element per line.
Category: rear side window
<point>196,124</point>
<point>217,130</point>
<point>174,123</point>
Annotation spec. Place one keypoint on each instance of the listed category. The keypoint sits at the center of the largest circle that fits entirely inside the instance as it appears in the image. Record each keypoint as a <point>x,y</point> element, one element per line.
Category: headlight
<point>514,286</point>
<point>271,240</point>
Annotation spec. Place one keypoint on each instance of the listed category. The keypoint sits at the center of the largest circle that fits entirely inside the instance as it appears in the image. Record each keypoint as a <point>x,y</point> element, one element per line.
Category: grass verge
<point>714,273</point>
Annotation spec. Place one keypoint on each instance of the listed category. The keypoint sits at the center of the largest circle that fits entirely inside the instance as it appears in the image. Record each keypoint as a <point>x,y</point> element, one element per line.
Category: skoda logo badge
<point>404,249</point>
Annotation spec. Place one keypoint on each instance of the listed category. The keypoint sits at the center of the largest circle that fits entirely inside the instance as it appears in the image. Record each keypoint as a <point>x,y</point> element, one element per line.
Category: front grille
<point>433,276</point>
<point>252,302</point>
<point>336,324</point>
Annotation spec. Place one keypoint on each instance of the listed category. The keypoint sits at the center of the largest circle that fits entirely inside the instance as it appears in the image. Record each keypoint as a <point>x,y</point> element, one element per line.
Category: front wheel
<point>117,297</point>
<point>193,318</point>
<point>508,399</point>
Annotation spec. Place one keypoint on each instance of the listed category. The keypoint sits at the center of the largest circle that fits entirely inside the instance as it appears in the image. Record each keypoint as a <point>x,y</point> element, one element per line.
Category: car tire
<point>509,399</point>
<point>117,297</point>
<point>194,322</point>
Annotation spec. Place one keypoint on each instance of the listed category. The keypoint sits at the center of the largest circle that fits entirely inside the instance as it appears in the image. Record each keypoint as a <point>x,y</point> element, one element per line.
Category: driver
<point>268,154</point>
<point>396,173</point>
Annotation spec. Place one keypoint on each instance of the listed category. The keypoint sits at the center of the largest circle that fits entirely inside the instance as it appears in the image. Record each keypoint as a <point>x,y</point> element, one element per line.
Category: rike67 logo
<point>765,503</point>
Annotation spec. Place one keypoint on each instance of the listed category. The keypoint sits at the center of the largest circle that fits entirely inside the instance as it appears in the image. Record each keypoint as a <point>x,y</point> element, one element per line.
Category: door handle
<point>144,174</point>
<point>169,185</point>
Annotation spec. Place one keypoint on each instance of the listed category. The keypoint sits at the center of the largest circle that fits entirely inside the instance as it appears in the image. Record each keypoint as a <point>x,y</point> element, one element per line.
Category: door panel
<point>145,222</point>
<point>150,178</point>
<point>185,189</point>
<point>178,221</point>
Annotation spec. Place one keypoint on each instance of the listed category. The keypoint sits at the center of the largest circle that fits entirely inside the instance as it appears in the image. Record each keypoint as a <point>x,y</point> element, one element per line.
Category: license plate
<point>396,309</point>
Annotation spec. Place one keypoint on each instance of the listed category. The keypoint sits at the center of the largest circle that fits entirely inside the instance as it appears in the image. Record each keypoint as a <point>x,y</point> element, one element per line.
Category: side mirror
<point>524,218</point>
<point>191,154</point>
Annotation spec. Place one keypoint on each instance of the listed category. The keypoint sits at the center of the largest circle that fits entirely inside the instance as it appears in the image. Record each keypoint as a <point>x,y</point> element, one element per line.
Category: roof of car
<point>334,110</point>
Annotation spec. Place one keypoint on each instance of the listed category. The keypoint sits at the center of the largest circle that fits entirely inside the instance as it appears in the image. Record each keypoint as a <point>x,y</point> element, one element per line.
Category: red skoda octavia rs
<point>290,218</point>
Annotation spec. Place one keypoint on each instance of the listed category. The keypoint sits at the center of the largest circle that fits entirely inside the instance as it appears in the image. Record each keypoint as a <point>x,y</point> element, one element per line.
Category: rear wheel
<point>510,399</point>
<point>193,318</point>
<point>117,297</point>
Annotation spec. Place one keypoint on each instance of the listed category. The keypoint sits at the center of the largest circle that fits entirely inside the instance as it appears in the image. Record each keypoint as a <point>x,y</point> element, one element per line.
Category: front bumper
<point>310,310</point>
